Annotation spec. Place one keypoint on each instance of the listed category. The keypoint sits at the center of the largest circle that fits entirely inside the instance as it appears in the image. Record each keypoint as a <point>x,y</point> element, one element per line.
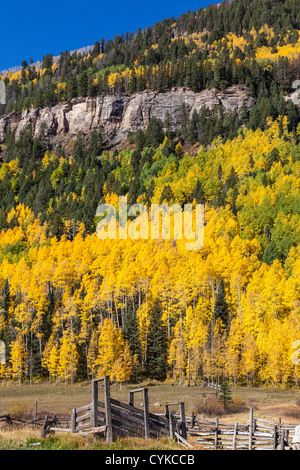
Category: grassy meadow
<point>19,401</point>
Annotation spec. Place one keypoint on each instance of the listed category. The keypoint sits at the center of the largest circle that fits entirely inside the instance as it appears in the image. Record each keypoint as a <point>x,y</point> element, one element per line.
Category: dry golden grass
<point>16,438</point>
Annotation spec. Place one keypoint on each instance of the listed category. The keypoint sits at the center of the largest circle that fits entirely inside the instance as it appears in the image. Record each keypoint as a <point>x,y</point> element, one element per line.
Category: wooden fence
<point>257,435</point>
<point>213,385</point>
<point>113,418</point>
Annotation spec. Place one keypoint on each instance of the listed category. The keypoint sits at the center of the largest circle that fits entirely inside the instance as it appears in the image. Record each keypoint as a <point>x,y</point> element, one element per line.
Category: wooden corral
<point>109,418</point>
<point>112,418</point>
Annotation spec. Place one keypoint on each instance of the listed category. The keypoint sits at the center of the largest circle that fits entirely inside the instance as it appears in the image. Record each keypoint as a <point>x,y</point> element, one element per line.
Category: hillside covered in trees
<point>73,306</point>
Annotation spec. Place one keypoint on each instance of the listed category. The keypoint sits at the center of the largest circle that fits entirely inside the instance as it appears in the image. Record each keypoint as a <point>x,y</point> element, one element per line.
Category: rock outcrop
<point>118,114</point>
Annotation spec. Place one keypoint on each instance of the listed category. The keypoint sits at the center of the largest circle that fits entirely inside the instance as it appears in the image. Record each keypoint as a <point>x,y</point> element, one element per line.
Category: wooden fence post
<point>216,434</point>
<point>44,428</point>
<point>275,438</point>
<point>109,432</point>
<point>193,419</point>
<point>146,413</point>
<point>131,398</point>
<point>183,420</point>
<point>234,437</point>
<point>73,420</point>
<point>35,413</point>
<point>171,424</point>
<point>94,403</point>
<point>251,429</point>
<point>282,439</point>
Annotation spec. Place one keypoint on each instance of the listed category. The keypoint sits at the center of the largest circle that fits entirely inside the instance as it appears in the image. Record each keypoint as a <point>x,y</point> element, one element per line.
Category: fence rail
<point>112,418</point>
<point>257,435</point>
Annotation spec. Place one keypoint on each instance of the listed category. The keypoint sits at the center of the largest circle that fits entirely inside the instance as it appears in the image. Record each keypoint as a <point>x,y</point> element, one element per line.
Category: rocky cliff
<point>118,114</point>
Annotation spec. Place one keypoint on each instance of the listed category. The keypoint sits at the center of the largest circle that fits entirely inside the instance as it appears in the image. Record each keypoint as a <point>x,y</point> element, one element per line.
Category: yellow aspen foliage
<point>18,356</point>
<point>123,366</point>
<point>68,359</point>
<point>110,347</point>
<point>177,354</point>
<point>51,356</point>
<point>92,354</point>
<point>250,363</point>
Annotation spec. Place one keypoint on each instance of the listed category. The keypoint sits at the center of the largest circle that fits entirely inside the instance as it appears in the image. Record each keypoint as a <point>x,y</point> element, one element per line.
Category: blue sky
<point>35,28</point>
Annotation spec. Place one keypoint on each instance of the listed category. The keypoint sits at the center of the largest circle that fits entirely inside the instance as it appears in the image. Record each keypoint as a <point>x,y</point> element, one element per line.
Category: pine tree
<point>154,135</point>
<point>225,396</point>
<point>198,193</point>
<point>168,125</point>
<point>96,49</point>
<point>150,193</point>
<point>156,361</point>
<point>131,335</point>
<point>167,194</point>
<point>221,309</point>
<point>78,150</point>
<point>72,88</point>
<point>192,130</point>
<point>185,113</point>
<point>134,190</point>
<point>83,84</point>
<point>232,180</point>
<point>96,142</point>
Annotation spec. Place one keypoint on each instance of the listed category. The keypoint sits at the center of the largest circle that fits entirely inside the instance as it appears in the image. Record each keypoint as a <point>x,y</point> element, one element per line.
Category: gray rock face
<point>118,114</point>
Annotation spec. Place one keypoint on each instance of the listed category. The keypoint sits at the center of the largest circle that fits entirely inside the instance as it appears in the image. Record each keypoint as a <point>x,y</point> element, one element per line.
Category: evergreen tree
<point>131,335</point>
<point>96,143</point>
<point>225,396</point>
<point>96,50</point>
<point>232,180</point>
<point>47,62</point>
<point>154,134</point>
<point>184,120</point>
<point>72,89</point>
<point>168,125</point>
<point>134,190</point>
<point>198,193</point>
<point>156,360</point>
<point>83,84</point>
<point>5,300</point>
<point>139,140</point>
<point>150,193</point>
<point>221,309</point>
<point>167,194</point>
<point>78,150</point>
<point>192,130</point>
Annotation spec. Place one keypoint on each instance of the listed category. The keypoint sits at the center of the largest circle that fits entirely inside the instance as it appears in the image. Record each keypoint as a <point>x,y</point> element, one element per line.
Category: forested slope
<point>73,306</point>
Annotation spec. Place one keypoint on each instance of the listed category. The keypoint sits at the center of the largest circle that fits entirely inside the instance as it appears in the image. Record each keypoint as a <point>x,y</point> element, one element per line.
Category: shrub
<point>20,410</point>
<point>212,407</point>
<point>292,413</point>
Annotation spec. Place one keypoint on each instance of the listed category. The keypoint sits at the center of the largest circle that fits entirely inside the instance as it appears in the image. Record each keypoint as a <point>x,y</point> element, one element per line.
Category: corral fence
<point>259,434</point>
<point>113,418</point>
